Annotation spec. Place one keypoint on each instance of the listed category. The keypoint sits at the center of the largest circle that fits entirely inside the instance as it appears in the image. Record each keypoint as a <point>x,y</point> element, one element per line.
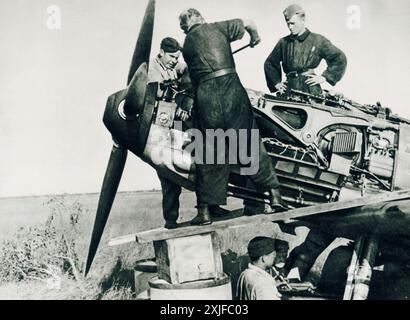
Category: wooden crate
<point>190,258</point>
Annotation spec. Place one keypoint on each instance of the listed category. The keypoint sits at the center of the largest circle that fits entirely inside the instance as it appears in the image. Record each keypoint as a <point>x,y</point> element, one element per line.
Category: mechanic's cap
<point>170,45</point>
<point>293,9</point>
<point>260,246</point>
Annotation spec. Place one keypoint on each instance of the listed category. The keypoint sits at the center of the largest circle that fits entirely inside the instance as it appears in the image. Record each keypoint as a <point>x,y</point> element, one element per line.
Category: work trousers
<point>223,103</point>
<point>170,198</point>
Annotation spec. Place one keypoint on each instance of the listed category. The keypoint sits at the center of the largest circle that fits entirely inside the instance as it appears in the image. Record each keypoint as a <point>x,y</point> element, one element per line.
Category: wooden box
<point>186,259</point>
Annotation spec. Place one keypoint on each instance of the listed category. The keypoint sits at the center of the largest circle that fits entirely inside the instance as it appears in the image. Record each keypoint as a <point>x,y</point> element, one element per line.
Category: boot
<point>170,224</point>
<point>216,211</point>
<point>203,217</point>
<point>276,202</point>
<point>251,210</point>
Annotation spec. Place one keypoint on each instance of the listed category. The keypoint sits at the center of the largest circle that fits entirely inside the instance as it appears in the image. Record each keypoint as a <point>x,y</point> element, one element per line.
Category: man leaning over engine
<point>221,102</point>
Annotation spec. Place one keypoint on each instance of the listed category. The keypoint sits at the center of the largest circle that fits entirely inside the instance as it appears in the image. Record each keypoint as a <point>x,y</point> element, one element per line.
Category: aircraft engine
<point>327,149</point>
<point>322,150</point>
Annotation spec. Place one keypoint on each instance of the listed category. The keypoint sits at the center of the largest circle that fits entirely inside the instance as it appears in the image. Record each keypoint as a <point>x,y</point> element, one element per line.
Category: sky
<point>54,82</point>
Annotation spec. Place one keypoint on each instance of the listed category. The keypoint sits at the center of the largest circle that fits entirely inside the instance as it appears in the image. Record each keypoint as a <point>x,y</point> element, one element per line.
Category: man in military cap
<point>221,103</point>
<point>300,53</point>
<point>169,73</point>
<point>256,283</point>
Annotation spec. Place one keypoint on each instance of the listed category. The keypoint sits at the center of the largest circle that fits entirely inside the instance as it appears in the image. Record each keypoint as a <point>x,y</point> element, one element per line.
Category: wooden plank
<point>122,240</point>
<point>334,207</point>
<point>162,249</point>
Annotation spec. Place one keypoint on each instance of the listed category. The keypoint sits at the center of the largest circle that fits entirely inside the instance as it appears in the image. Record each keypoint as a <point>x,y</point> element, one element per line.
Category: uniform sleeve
<point>253,287</point>
<point>273,69</point>
<point>232,29</point>
<point>266,291</point>
<point>336,61</point>
<point>184,79</point>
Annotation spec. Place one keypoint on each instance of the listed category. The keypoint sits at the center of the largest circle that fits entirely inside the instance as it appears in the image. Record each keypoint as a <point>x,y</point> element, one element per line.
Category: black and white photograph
<point>204,150</point>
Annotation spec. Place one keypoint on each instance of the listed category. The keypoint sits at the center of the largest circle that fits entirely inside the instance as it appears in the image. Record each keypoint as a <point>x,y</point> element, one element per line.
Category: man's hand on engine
<point>182,114</point>
<point>314,79</point>
<point>281,87</point>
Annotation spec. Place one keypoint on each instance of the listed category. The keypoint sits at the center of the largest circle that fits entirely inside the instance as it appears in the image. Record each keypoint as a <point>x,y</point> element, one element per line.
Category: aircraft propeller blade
<point>109,188</point>
<point>143,47</point>
<point>138,73</point>
<point>137,80</point>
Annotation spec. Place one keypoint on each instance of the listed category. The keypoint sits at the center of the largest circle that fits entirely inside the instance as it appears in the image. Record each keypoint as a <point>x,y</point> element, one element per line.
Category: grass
<point>111,276</point>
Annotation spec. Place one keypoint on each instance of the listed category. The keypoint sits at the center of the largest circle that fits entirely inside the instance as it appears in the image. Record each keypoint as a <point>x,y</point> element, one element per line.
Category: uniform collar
<point>194,27</point>
<point>301,37</point>
<point>158,60</point>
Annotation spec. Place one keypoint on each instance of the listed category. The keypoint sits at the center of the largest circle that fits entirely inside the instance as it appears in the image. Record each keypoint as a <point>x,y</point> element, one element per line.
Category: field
<point>27,221</point>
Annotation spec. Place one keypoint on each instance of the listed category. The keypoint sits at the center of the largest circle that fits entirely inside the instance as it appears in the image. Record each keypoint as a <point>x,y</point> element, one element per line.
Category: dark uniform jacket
<point>207,47</point>
<point>221,102</point>
<point>299,54</point>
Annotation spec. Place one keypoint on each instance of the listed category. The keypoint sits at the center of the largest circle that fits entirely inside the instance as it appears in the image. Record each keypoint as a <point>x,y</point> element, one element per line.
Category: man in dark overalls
<point>300,53</point>
<point>221,102</point>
